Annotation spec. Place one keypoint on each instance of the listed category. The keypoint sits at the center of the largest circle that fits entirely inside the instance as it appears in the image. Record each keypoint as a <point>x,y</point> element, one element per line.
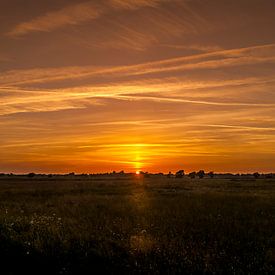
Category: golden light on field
<point>151,85</point>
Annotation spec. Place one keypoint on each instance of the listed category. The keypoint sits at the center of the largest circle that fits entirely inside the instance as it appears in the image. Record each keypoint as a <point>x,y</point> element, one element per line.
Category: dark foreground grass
<point>96,225</point>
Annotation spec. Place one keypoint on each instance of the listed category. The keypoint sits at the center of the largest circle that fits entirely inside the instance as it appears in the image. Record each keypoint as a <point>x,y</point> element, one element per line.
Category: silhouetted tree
<point>169,175</point>
<point>31,175</point>
<point>180,174</point>
<point>192,175</point>
<point>256,175</point>
<point>201,174</point>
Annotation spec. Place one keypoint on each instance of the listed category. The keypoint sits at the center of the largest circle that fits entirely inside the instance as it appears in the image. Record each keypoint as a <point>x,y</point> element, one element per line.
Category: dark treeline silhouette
<point>177,175</point>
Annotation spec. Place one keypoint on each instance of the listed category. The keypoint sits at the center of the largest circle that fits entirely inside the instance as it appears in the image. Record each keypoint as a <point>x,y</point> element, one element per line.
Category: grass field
<point>136,225</point>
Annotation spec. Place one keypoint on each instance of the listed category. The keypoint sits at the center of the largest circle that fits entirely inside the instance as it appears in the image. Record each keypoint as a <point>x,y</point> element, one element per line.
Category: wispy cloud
<point>14,100</point>
<point>69,15</point>
<point>203,102</point>
<point>120,36</point>
<point>21,101</point>
<point>152,27</point>
<point>134,4</point>
<point>77,14</point>
<point>196,47</point>
<point>135,82</point>
<point>214,60</point>
<point>155,26</point>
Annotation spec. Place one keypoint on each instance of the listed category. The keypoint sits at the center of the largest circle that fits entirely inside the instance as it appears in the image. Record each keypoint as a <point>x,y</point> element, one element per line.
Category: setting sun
<point>137,172</point>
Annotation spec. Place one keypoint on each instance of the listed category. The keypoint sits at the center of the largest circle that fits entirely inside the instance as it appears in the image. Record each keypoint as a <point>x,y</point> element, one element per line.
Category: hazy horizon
<point>137,172</point>
<point>151,85</point>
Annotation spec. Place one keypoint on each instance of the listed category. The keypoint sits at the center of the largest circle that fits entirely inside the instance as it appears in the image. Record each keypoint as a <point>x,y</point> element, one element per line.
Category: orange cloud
<point>134,4</point>
<point>76,14</point>
<point>213,60</point>
<point>70,15</point>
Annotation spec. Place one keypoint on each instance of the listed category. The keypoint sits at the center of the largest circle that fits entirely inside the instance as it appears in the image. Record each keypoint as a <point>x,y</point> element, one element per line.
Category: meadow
<point>127,224</point>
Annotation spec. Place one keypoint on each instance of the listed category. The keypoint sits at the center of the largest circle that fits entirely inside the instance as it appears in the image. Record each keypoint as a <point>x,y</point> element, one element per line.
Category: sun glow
<point>137,172</point>
<point>137,152</point>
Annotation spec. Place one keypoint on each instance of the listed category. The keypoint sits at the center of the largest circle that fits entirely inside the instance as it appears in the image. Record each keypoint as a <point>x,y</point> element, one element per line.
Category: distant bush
<point>180,174</point>
<point>31,175</point>
<point>201,174</point>
<point>192,175</point>
<point>256,175</point>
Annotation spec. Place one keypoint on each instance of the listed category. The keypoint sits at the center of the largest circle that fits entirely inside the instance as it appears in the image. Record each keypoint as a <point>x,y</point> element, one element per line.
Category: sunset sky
<point>153,85</point>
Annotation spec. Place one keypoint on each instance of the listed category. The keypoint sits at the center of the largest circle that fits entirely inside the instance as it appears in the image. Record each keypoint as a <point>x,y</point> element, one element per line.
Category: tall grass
<point>133,225</point>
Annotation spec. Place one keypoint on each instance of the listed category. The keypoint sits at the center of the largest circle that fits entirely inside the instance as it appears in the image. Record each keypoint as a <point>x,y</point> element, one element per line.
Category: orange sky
<point>153,85</point>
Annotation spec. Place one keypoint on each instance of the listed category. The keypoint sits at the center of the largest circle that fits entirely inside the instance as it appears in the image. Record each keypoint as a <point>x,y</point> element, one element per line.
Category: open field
<point>131,225</point>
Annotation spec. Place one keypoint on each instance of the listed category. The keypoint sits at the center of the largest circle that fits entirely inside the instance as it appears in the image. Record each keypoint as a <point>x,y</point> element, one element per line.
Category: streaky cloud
<point>76,14</point>
<point>214,60</point>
